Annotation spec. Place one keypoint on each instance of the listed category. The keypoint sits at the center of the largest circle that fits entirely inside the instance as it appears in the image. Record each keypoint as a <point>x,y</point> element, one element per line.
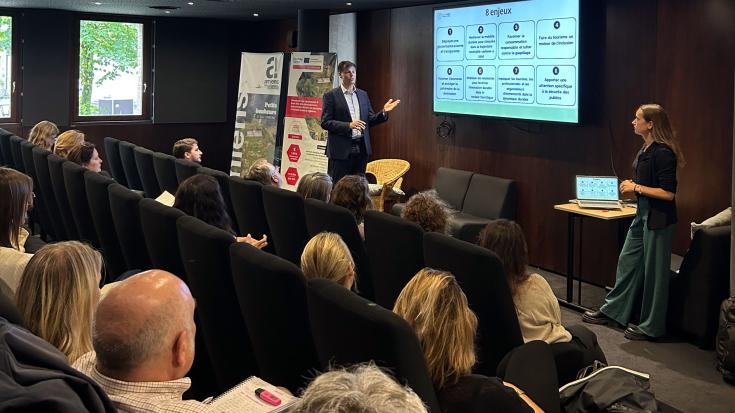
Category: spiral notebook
<point>242,398</point>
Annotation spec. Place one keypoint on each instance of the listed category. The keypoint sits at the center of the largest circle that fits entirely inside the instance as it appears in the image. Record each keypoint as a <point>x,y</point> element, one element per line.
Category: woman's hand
<point>627,188</point>
<point>257,243</point>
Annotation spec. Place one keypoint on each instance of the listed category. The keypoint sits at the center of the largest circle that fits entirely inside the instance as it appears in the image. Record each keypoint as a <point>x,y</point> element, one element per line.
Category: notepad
<point>242,399</point>
<point>166,198</point>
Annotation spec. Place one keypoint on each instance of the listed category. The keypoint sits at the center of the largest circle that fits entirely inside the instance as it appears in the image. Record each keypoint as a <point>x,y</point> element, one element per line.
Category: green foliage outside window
<point>110,46</point>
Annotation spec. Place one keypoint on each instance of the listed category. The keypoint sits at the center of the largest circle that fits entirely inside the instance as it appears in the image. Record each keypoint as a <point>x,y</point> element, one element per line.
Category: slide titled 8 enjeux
<point>513,60</point>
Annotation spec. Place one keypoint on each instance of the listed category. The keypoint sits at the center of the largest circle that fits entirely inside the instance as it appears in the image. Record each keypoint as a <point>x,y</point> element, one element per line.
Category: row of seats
<point>251,299</point>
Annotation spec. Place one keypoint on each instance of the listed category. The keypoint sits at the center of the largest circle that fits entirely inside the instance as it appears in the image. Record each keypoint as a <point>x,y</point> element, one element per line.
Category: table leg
<point>570,258</point>
<point>581,258</point>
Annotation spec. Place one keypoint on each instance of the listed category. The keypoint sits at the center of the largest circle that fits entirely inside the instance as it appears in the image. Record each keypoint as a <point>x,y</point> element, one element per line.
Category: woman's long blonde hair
<point>662,131</point>
<point>327,256</point>
<point>58,293</point>
<point>436,307</point>
<point>68,141</point>
<point>41,133</point>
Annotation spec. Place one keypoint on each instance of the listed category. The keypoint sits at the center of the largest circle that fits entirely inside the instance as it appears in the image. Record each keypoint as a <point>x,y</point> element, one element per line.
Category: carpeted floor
<point>682,375</point>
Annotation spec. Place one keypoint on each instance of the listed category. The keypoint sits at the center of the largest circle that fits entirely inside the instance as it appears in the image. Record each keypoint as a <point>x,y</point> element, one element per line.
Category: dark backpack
<point>612,389</point>
<point>725,346</point>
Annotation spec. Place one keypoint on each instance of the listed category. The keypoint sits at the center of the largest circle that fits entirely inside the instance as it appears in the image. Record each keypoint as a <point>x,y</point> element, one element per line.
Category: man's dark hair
<point>183,146</point>
<point>344,65</point>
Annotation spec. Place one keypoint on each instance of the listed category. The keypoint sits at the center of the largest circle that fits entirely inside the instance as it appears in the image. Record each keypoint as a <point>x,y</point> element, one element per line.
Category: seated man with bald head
<point>143,339</point>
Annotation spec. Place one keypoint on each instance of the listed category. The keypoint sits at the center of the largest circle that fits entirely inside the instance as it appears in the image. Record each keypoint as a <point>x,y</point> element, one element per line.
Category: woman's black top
<point>476,393</point>
<point>656,168</point>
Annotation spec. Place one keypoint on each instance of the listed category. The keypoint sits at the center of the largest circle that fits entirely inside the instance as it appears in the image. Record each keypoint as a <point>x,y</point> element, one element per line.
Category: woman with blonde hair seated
<point>434,305</point>
<point>44,134</point>
<point>537,308</point>
<point>16,198</point>
<point>58,295</point>
<point>327,256</point>
<point>317,185</point>
<point>68,141</point>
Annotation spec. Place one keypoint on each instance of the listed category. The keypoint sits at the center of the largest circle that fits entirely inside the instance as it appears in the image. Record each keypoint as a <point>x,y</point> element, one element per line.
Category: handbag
<point>614,389</point>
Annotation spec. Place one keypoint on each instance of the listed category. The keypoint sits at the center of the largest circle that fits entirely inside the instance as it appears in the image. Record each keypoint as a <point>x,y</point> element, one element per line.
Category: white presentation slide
<point>513,60</point>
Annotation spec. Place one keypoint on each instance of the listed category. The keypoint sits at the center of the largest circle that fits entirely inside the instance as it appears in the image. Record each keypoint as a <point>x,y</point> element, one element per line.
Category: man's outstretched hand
<point>390,105</point>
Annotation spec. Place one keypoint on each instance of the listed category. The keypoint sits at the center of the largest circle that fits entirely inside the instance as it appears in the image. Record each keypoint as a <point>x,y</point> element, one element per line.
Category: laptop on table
<point>599,192</point>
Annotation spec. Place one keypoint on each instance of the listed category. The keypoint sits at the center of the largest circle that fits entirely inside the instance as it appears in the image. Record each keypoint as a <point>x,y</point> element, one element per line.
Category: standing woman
<point>642,278</point>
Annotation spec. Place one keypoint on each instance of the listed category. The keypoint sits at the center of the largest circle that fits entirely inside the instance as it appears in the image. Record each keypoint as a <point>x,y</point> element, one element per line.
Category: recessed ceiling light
<point>167,11</point>
<point>349,4</point>
<point>191,3</point>
<point>96,3</point>
<point>256,14</point>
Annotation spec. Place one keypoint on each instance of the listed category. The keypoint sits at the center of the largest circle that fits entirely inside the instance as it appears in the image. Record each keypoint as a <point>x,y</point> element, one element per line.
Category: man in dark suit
<point>347,116</point>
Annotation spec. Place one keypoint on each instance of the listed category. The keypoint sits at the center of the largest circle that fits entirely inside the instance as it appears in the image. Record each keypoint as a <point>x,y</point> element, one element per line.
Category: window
<point>113,76</point>
<point>7,84</point>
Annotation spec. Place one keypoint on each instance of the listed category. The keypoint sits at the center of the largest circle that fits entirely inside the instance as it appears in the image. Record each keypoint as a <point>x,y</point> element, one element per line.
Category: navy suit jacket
<point>336,120</point>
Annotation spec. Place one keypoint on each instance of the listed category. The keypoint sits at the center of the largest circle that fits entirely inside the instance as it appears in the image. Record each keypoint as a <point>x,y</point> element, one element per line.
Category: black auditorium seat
<point>112,153</point>
<point>284,211</point>
<point>127,157</point>
<point>349,329</point>
<point>46,191</point>
<point>206,258</point>
<point>144,163</point>
<point>79,204</point>
<point>126,218</point>
<point>99,206</point>
<point>165,168</point>
<point>272,292</point>
<point>396,253</point>
<point>185,169</point>
<point>247,204</point>
<point>55,164</point>
<point>480,274</point>
<point>224,186</point>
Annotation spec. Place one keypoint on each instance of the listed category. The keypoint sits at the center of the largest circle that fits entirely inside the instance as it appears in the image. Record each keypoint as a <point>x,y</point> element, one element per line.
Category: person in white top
<point>537,308</point>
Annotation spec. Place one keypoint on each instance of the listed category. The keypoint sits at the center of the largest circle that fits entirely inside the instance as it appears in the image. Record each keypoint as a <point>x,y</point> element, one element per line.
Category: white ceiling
<point>217,9</point>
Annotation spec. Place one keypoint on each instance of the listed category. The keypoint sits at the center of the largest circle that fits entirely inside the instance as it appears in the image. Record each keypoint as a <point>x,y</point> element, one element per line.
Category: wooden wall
<point>674,52</point>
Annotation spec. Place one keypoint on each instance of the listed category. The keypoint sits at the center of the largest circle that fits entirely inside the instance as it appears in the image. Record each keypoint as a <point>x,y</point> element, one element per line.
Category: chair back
<point>112,153</point>
<point>451,185</point>
<point>272,292</point>
<point>46,191</point>
<point>99,207</point>
<point>284,211</point>
<point>158,222</point>
<point>38,213</point>
<point>480,274</point>
<point>56,173</point>
<point>224,186</point>
<point>127,157</point>
<point>247,204</point>
<point>321,216</point>
<point>349,329</point>
<point>185,169</point>
<point>395,251</point>
<point>6,157</point>
<point>15,153</point>
<point>126,218</point>
<point>78,203</point>
<point>206,258</point>
<point>165,169</point>
<point>491,197</point>
<point>144,163</point>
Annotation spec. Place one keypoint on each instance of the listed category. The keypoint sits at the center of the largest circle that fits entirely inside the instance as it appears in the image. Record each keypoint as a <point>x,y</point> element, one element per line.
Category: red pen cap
<point>267,397</point>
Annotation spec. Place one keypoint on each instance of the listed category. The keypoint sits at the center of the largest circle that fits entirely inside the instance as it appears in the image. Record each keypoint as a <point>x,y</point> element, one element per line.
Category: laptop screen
<point>598,188</point>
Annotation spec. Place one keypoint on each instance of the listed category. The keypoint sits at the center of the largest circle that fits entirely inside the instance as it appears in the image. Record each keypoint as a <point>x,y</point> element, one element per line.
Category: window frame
<point>15,51</point>
<point>146,71</point>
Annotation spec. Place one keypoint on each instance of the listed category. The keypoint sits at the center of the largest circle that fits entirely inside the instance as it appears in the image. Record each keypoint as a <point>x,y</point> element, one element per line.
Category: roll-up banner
<point>310,75</point>
<point>256,117</point>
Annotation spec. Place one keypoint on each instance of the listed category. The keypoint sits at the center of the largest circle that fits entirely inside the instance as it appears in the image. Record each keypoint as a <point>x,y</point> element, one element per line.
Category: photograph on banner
<point>256,117</point>
<point>310,75</point>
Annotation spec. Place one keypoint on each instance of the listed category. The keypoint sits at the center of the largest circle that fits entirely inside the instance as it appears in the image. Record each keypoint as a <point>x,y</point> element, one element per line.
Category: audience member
<point>16,197</point>
<point>87,156</point>
<point>435,306</point>
<point>68,141</point>
<point>363,389</point>
<point>327,256</point>
<point>143,338</point>
<point>427,211</point>
<point>188,148</point>
<point>353,192</point>
<point>264,172</point>
<point>58,294</point>
<point>200,197</point>
<point>536,305</point>
<point>44,134</point>
<point>317,185</point>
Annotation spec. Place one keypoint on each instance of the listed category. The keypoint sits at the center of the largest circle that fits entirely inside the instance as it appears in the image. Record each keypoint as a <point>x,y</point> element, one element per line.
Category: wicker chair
<point>388,173</point>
